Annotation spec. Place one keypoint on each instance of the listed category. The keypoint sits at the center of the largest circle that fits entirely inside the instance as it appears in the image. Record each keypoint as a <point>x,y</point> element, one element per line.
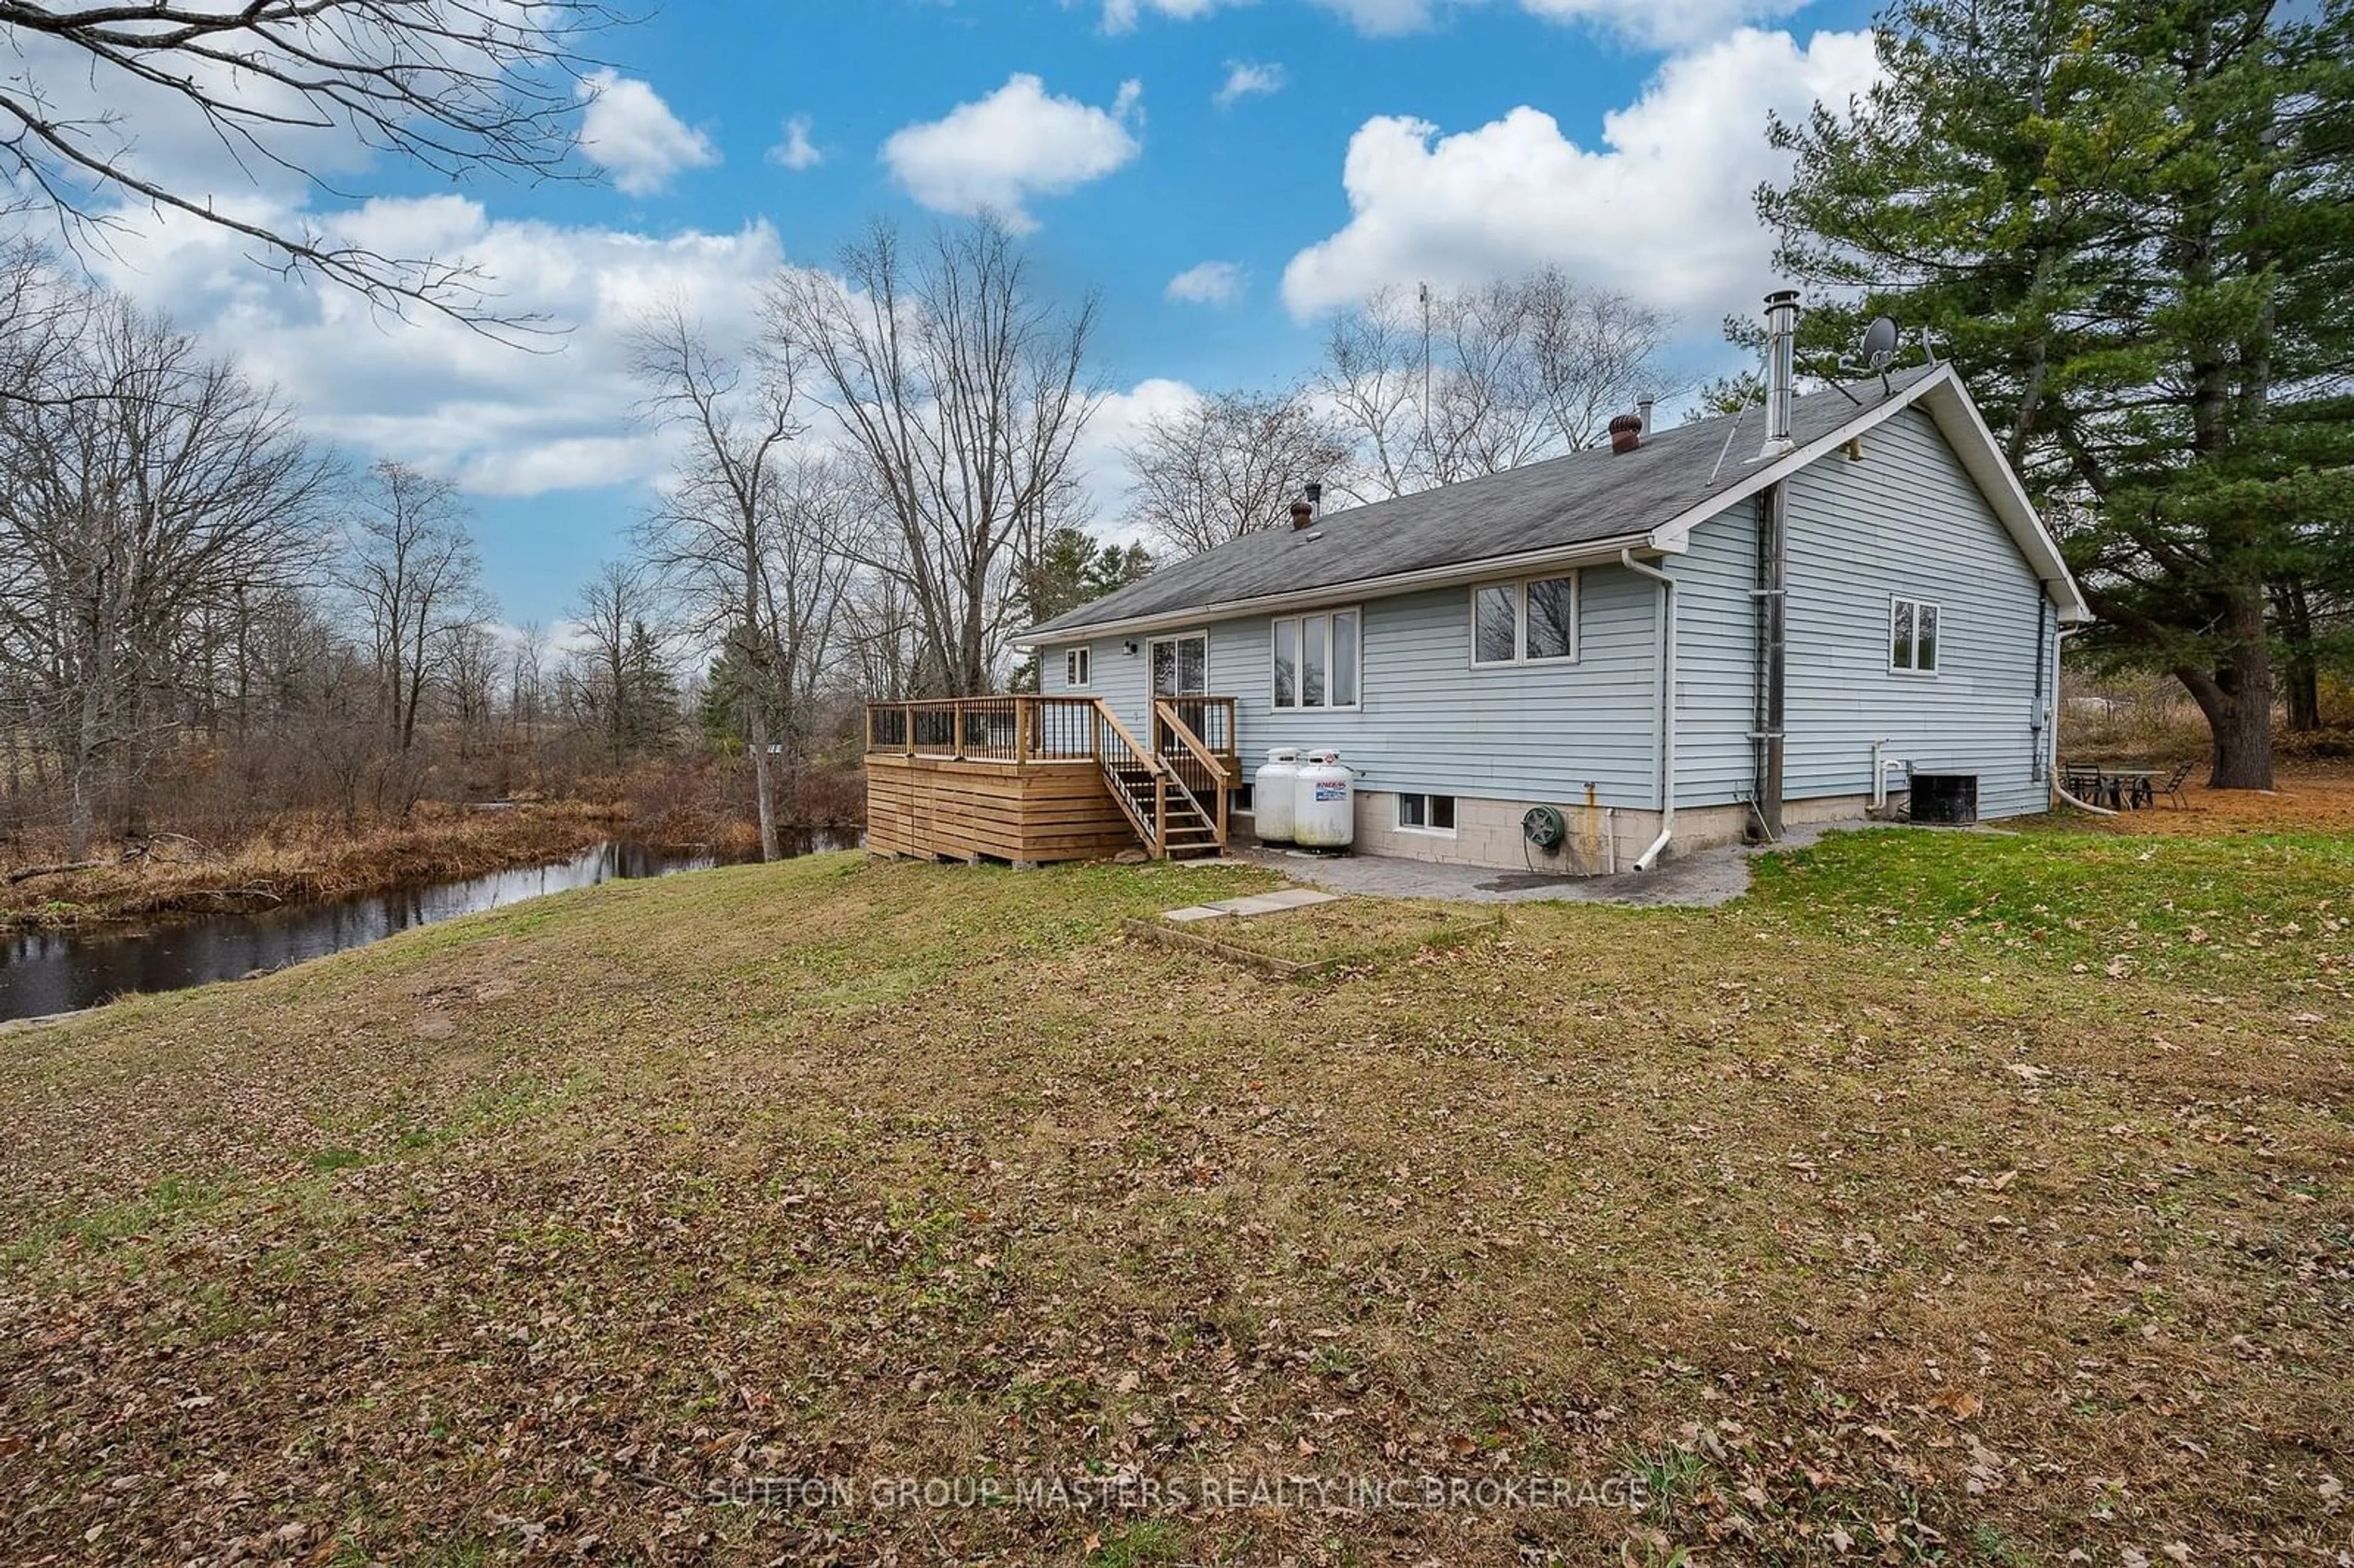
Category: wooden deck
<point>1034,779</point>
<point>939,807</point>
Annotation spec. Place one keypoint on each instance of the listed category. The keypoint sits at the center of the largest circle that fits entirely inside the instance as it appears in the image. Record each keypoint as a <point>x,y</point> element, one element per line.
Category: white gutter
<point>2057,788</point>
<point>1651,857</point>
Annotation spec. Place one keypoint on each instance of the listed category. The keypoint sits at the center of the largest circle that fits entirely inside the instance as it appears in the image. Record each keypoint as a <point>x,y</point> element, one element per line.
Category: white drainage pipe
<point>1651,857</point>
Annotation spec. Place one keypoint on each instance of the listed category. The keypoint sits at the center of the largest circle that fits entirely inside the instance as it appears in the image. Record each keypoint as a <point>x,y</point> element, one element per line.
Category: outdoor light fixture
<point>1128,647</point>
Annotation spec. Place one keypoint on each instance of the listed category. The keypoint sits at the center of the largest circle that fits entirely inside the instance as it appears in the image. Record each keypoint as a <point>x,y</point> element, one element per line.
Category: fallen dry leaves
<point>2309,799</point>
<point>1846,1250</point>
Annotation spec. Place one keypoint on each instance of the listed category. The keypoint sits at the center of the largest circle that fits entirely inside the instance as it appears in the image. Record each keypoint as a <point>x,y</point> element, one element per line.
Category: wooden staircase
<point>1185,830</point>
<point>1173,792</point>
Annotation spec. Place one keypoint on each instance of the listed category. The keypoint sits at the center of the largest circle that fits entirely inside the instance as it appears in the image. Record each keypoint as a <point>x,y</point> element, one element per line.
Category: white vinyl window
<point>1079,667</point>
<point>1913,636</point>
<point>1317,659</point>
<point>1531,623</point>
<point>1427,814</point>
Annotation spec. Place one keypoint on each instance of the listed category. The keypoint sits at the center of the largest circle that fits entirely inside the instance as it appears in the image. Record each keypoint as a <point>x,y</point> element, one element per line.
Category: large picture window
<point>1913,636</point>
<point>1531,623</point>
<point>1317,659</point>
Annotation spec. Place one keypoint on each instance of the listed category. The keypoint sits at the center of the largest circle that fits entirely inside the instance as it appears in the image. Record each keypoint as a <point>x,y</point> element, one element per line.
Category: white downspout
<point>2058,787</point>
<point>1651,857</point>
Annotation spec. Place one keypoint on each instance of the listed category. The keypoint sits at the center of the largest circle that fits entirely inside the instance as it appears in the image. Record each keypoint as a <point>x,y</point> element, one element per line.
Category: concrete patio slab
<point>1700,880</point>
<point>1193,912</point>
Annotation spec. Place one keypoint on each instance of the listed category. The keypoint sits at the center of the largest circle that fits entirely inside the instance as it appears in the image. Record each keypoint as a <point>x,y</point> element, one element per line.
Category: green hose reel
<point>1542,826</point>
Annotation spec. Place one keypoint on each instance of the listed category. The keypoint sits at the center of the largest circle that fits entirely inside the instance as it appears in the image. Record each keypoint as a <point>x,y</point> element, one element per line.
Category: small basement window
<point>1079,667</point>
<point>1427,814</point>
<point>1913,636</point>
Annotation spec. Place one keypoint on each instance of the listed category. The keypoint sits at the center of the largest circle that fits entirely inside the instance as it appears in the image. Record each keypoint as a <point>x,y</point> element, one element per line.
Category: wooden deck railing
<point>1210,719</point>
<point>1189,757</point>
<point>1019,728</point>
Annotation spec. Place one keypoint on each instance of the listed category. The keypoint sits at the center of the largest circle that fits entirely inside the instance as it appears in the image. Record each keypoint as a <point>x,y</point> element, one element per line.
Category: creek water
<point>46,972</point>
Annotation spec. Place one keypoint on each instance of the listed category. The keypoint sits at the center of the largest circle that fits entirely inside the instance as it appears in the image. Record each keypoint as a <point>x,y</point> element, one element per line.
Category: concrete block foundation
<point>1601,839</point>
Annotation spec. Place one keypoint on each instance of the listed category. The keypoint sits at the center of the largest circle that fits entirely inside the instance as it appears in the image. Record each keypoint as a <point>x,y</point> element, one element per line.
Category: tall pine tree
<point>2131,224</point>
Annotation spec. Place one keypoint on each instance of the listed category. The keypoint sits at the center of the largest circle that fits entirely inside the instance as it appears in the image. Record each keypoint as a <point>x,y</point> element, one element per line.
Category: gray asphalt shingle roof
<point>1582,498</point>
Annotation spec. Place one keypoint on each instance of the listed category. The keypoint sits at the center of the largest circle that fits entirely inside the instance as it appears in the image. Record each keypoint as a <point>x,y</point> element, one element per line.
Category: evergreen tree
<point>648,699</point>
<point>716,715</point>
<point>1074,569</point>
<point>2130,224</point>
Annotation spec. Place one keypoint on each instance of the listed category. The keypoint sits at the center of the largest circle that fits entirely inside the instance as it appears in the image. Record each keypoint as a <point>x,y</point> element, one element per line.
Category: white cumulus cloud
<point>1663,22</point>
<point>1385,19</point>
<point>499,420</point>
<point>1247,79</point>
<point>1655,23</point>
<point>630,133</point>
<point>998,153</point>
<point>1119,419</point>
<point>1660,207</point>
<point>1120,15</point>
<point>1209,283</point>
<point>797,151</point>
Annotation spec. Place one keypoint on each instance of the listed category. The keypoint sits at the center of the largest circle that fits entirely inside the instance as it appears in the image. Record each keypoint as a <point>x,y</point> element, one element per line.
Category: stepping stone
<point>1274,903</point>
<point>1194,912</point>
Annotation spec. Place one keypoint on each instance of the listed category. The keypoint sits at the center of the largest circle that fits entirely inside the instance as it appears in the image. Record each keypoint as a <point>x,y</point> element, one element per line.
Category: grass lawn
<point>1952,1198</point>
<point>1347,933</point>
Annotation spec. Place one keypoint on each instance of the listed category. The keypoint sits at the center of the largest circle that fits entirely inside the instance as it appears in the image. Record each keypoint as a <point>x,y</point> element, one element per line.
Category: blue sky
<point>1297,152</point>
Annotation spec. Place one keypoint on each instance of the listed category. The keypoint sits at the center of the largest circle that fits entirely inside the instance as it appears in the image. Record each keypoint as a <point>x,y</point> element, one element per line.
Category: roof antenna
<point>1728,443</point>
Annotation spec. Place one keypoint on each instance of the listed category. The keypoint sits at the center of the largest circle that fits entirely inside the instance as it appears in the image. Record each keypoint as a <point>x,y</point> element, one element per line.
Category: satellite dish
<point>1880,340</point>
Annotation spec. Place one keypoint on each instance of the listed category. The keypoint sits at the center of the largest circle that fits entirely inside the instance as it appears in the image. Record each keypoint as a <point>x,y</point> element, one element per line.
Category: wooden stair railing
<point>1130,768</point>
<point>1194,769</point>
<point>1149,787</point>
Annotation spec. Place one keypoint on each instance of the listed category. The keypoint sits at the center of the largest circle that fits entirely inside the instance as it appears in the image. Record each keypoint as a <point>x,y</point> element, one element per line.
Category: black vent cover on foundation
<point>1947,798</point>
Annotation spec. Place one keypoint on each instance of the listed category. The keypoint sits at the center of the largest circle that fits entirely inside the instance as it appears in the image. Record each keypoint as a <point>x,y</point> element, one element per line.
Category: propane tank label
<point>1331,793</point>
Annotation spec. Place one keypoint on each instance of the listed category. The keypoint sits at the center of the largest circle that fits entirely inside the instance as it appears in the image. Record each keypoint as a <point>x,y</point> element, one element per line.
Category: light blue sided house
<point>1694,636</point>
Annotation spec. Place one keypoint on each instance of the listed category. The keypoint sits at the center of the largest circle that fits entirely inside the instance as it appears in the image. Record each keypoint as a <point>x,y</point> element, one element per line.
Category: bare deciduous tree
<point>1444,386</point>
<point>822,535</point>
<point>615,611</point>
<point>455,87</point>
<point>961,393</point>
<point>526,694</point>
<point>1231,464</point>
<point>409,568</point>
<point>470,678</point>
<point>1594,351</point>
<point>713,534</point>
<point>144,492</point>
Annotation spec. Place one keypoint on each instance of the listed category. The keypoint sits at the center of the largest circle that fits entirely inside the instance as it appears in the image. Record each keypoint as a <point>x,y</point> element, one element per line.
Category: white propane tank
<point>1271,788</point>
<point>1325,806</point>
